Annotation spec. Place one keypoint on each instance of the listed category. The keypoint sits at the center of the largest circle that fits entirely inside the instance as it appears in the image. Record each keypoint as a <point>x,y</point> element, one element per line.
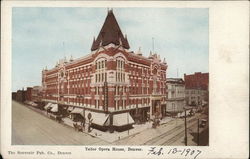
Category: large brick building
<point>197,88</point>
<point>116,85</point>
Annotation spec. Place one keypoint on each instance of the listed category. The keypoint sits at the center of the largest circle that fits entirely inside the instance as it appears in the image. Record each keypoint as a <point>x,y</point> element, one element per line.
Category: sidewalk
<point>166,123</point>
<point>115,136</point>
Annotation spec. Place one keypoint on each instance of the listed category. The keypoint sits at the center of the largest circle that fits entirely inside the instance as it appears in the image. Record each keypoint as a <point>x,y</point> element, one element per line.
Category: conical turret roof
<point>110,33</point>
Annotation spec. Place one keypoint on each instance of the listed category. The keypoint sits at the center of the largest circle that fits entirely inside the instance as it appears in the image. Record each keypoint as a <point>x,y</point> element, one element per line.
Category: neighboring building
<point>20,95</point>
<point>37,93</point>
<point>112,83</point>
<point>197,88</point>
<point>175,95</point>
<point>28,94</point>
<point>14,95</point>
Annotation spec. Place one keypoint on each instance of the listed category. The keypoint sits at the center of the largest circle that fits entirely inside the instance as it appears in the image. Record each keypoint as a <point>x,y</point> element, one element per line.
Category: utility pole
<point>198,133</point>
<point>128,121</point>
<point>185,127</point>
<point>105,85</point>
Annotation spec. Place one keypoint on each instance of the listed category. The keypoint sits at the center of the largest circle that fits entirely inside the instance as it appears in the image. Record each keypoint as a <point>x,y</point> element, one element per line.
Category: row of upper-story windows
<point>101,64</point>
<point>76,73</point>
<point>195,92</point>
<point>101,77</point>
<point>79,75</point>
<point>138,70</point>
<point>120,103</point>
<point>120,64</point>
<point>120,77</point>
<point>120,73</point>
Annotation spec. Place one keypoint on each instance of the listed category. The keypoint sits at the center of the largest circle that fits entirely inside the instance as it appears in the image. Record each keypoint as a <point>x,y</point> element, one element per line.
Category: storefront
<point>77,115</point>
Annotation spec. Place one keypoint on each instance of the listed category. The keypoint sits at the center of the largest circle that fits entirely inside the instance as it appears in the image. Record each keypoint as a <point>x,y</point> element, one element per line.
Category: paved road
<point>171,133</point>
<point>171,136</point>
<point>32,128</point>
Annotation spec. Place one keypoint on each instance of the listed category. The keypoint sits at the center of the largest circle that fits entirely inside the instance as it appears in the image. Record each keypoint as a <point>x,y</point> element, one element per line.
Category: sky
<point>41,36</point>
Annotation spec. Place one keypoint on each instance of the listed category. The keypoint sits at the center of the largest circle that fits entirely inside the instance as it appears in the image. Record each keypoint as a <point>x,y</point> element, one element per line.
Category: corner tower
<point>110,34</point>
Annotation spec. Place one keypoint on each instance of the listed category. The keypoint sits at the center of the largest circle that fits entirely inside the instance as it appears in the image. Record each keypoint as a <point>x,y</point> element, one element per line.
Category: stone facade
<point>175,95</point>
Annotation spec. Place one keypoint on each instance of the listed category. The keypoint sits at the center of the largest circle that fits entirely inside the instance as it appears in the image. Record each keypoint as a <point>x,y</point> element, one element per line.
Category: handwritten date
<point>185,152</point>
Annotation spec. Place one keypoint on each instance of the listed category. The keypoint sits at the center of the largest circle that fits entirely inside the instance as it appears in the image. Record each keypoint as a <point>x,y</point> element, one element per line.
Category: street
<point>169,134</point>
<point>31,127</point>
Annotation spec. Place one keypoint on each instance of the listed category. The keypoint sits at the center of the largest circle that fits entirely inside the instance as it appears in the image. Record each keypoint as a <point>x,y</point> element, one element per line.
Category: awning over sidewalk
<point>77,111</point>
<point>183,113</point>
<point>54,108</point>
<point>70,108</point>
<point>47,106</point>
<point>98,118</point>
<point>122,119</point>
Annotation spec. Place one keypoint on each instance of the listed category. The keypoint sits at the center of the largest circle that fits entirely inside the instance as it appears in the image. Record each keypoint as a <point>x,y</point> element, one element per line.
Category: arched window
<point>120,70</point>
<point>101,66</point>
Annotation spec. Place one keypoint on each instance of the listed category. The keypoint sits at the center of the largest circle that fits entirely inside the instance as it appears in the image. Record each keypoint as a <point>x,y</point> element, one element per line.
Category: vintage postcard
<point>124,79</point>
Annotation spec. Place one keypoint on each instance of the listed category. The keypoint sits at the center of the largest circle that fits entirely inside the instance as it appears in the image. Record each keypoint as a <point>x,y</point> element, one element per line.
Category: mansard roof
<point>110,33</point>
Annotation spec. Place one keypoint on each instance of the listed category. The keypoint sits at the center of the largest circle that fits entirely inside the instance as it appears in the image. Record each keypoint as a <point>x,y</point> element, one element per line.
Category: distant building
<point>37,93</point>
<point>175,95</point>
<point>28,94</point>
<point>196,86</point>
<point>112,83</point>
<point>14,95</point>
<point>20,95</point>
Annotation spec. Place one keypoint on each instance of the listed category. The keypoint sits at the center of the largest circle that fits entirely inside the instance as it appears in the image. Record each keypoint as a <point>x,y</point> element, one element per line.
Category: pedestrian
<point>75,125</point>
<point>83,123</point>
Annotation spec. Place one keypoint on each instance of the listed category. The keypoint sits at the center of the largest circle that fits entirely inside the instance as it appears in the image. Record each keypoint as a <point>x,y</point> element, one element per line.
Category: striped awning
<point>54,108</point>
<point>77,111</point>
<point>70,108</point>
<point>98,118</point>
<point>122,119</point>
<point>47,106</point>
